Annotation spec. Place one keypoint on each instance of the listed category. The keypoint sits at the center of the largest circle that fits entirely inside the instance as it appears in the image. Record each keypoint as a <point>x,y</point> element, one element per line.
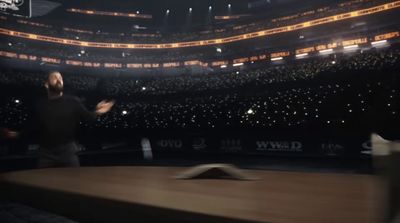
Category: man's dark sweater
<point>57,120</point>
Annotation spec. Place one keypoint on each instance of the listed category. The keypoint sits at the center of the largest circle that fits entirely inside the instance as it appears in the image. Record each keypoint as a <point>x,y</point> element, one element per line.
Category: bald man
<point>56,122</point>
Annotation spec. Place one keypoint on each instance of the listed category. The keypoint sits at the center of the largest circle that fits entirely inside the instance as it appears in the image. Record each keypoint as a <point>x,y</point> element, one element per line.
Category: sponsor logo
<point>279,146</point>
<point>199,144</point>
<point>10,4</point>
<point>33,147</point>
<point>80,148</point>
<point>331,148</point>
<point>367,145</point>
<point>170,143</point>
<point>231,145</point>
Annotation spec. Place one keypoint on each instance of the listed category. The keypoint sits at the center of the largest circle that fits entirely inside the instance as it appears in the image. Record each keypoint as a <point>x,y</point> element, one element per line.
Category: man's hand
<point>8,134</point>
<point>104,107</point>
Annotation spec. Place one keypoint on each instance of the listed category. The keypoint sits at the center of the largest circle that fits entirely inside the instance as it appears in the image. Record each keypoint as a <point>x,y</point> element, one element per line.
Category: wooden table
<point>151,194</point>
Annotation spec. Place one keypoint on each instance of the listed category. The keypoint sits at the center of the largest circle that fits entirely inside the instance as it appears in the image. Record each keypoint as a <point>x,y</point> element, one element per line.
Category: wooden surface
<point>281,197</point>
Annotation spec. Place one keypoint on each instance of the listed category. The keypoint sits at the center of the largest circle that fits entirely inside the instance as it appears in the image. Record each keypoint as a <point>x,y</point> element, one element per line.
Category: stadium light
<point>377,43</point>
<point>351,47</point>
<point>276,58</point>
<point>301,55</point>
<point>237,64</point>
<point>326,51</point>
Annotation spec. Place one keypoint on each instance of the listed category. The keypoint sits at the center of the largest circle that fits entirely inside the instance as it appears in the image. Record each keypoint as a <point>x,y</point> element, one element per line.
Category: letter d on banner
<point>296,145</point>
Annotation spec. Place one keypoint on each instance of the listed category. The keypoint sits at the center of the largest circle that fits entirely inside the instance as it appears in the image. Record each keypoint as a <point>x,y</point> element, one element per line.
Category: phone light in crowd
<point>276,58</point>
<point>237,64</point>
<point>124,112</point>
<point>17,101</point>
<point>333,62</point>
<point>302,55</point>
<point>167,12</point>
<point>210,8</point>
<point>351,47</point>
<point>223,66</point>
<point>379,43</point>
<point>219,50</point>
<point>82,51</point>
<point>190,9</point>
<point>143,88</point>
<point>250,111</point>
<point>327,51</point>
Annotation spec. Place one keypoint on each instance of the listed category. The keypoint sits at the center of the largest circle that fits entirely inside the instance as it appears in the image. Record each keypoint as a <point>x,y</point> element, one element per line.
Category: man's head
<point>54,83</point>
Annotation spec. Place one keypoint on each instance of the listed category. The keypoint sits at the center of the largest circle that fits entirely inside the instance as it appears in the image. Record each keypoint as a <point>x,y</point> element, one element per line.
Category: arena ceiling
<point>179,9</point>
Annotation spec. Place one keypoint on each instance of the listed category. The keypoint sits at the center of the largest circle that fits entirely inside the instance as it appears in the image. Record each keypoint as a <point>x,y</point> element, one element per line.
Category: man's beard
<point>56,89</point>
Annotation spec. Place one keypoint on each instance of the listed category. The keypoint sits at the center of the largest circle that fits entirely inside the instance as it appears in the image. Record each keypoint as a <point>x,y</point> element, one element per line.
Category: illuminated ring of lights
<point>267,32</point>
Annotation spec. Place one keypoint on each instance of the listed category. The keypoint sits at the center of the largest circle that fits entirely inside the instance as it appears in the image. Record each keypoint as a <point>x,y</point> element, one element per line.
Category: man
<point>56,121</point>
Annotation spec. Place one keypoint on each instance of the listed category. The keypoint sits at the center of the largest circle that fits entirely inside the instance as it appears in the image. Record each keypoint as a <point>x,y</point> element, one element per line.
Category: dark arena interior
<point>276,111</point>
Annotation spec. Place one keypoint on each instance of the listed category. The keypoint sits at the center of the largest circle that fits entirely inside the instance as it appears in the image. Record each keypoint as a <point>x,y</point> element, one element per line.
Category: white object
<point>146,148</point>
<point>383,147</point>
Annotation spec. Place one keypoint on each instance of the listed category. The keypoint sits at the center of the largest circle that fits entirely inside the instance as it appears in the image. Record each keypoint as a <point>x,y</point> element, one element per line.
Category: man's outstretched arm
<point>104,107</point>
<point>101,108</point>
